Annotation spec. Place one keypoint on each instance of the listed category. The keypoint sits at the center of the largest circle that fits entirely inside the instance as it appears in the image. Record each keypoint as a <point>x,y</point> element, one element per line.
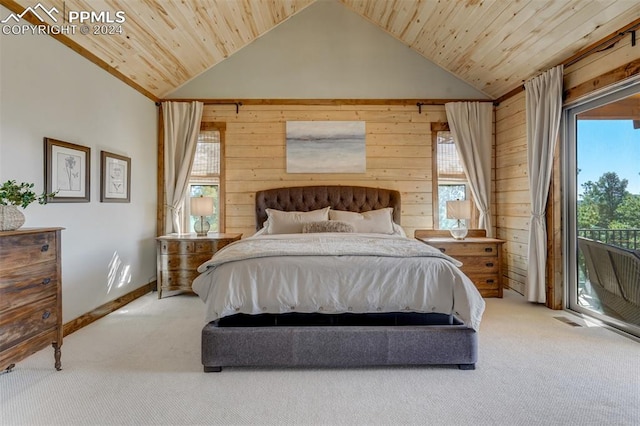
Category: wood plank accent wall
<point>512,189</point>
<point>590,74</point>
<point>398,146</point>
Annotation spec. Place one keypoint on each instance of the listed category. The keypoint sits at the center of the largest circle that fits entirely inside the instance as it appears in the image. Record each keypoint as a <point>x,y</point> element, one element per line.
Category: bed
<point>331,280</point>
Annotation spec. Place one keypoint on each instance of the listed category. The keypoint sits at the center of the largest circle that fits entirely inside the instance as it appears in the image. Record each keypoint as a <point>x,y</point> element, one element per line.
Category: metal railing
<point>625,238</point>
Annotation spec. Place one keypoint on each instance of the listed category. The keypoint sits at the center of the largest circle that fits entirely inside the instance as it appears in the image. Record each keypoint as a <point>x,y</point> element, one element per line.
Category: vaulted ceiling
<point>494,45</point>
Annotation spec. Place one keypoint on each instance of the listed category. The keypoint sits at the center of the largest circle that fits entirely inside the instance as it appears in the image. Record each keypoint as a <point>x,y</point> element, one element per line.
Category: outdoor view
<point>205,176</point>
<point>608,210</point>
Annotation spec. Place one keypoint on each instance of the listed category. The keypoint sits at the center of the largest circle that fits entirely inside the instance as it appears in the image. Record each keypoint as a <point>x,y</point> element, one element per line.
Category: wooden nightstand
<point>179,255</point>
<point>481,258</point>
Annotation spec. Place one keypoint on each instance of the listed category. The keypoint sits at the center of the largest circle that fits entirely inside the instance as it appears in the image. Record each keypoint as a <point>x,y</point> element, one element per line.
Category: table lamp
<point>461,211</point>
<point>201,206</point>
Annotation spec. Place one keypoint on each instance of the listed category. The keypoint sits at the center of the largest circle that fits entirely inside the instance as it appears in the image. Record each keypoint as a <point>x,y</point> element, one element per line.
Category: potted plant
<point>14,195</point>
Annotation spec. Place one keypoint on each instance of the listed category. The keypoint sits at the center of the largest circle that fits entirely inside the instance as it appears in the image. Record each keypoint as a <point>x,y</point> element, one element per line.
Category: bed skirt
<point>347,344</point>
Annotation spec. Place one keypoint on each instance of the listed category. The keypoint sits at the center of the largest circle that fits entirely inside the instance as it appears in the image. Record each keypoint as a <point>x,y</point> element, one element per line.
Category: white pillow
<point>280,222</point>
<point>374,221</point>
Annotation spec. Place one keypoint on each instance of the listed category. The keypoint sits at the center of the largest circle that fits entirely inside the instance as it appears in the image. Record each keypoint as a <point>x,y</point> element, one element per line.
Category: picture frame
<point>326,147</point>
<point>115,178</point>
<point>67,171</point>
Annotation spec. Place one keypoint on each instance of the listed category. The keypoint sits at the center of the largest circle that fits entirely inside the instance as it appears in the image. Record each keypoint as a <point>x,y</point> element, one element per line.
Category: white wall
<point>47,90</point>
<point>327,51</point>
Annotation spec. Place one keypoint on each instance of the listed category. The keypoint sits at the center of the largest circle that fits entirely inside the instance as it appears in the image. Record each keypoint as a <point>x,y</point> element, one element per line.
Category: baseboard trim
<point>103,310</point>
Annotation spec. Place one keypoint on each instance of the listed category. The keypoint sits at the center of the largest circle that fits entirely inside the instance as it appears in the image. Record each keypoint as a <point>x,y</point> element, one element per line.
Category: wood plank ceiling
<point>494,45</point>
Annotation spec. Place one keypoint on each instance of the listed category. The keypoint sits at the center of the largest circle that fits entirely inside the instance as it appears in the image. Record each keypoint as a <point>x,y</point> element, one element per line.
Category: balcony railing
<point>625,238</point>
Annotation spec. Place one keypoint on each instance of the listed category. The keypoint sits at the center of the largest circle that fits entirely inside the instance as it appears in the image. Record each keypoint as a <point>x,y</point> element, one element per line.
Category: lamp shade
<point>202,206</point>
<point>459,209</point>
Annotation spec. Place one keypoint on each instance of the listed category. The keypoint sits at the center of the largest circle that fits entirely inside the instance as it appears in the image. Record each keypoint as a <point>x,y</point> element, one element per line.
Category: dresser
<point>179,255</point>
<point>30,294</point>
<point>481,257</point>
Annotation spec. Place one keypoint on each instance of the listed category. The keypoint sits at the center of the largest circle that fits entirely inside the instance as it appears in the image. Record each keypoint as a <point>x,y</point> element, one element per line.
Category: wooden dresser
<point>30,294</point>
<point>179,256</point>
<point>481,257</point>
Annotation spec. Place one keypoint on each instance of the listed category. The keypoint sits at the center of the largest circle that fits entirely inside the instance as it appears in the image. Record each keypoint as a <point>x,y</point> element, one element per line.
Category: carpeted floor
<point>141,366</point>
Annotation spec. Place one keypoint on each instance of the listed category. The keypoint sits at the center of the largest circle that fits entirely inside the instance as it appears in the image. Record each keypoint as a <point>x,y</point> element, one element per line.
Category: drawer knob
<point>442,249</point>
<point>46,315</point>
<point>489,264</point>
<point>44,248</point>
<point>488,249</point>
<point>46,281</point>
<point>489,281</point>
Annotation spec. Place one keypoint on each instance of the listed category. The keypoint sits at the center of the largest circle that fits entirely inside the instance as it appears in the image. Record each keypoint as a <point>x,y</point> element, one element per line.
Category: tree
<point>601,199</point>
<point>628,213</point>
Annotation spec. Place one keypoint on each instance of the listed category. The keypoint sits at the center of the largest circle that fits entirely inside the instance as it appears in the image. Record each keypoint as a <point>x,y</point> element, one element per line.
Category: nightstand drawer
<point>177,279</point>
<point>467,249</point>
<point>183,261</point>
<point>177,247</point>
<point>484,281</point>
<point>481,265</point>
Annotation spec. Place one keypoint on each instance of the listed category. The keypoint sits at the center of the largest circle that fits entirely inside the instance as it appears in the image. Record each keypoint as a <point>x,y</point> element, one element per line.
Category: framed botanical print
<point>115,178</point>
<point>67,171</point>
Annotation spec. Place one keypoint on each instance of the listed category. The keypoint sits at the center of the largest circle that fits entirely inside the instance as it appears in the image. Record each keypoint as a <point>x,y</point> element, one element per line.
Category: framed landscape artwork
<point>326,147</point>
<point>115,178</point>
<point>67,171</point>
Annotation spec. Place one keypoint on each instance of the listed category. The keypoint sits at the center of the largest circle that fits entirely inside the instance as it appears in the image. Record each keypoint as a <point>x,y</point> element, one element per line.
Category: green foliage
<point>588,217</point>
<point>14,194</point>
<point>600,202</point>
<point>628,212</point>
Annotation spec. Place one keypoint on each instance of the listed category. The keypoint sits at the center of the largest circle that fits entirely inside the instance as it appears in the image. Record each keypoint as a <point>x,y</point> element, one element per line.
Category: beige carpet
<point>141,366</point>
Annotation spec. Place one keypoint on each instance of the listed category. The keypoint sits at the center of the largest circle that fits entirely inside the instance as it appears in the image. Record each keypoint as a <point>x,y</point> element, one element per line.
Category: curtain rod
<point>237,104</point>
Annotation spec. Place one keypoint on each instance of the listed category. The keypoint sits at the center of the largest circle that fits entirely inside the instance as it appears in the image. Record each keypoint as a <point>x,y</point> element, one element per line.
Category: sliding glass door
<point>602,207</point>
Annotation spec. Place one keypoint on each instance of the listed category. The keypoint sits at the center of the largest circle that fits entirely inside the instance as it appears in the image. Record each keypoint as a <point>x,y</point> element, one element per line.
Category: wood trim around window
<point>435,128</point>
<point>220,127</point>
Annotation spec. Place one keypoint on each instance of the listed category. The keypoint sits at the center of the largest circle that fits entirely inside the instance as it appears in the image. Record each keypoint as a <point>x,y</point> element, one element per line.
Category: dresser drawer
<point>25,322</point>
<point>22,286</point>
<point>17,251</point>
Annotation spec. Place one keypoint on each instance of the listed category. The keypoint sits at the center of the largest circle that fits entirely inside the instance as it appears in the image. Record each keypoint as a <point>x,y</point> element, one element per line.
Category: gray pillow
<point>327,226</point>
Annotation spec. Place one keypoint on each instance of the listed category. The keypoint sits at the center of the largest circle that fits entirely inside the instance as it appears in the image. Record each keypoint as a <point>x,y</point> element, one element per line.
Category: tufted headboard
<point>307,198</point>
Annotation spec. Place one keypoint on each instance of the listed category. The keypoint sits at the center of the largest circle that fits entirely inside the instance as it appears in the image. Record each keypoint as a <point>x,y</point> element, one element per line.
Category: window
<point>205,178</point>
<point>450,182</point>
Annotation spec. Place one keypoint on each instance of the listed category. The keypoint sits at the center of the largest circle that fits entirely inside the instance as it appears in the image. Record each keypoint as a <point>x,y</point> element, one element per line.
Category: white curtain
<point>544,109</point>
<point>181,128</point>
<point>471,125</point>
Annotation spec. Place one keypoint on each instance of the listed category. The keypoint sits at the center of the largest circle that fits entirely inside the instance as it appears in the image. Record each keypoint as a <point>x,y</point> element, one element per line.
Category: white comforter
<point>335,273</point>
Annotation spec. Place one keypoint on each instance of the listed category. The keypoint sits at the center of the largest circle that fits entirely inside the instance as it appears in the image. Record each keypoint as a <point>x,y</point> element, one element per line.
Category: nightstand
<point>179,255</point>
<point>481,258</point>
